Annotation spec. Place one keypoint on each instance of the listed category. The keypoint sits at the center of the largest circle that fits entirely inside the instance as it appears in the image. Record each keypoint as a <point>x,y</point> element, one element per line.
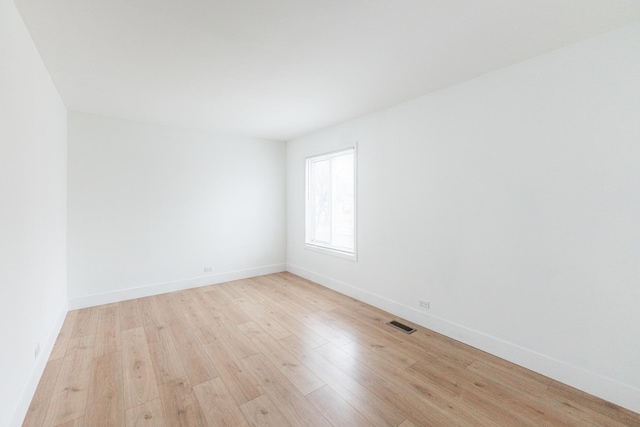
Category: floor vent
<point>402,327</point>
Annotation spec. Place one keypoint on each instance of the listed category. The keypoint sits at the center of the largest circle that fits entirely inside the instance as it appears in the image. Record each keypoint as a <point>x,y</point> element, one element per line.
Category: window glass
<point>330,201</point>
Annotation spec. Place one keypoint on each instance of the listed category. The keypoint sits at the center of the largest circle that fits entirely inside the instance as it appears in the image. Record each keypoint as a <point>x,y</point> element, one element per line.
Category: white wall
<point>511,202</point>
<point>151,206</point>
<point>33,157</point>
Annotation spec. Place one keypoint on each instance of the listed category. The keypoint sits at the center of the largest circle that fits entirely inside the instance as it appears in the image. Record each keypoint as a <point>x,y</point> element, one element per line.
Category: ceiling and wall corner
<point>284,68</point>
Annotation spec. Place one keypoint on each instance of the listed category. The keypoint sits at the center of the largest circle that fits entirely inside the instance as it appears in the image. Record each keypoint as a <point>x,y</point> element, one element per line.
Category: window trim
<point>328,249</point>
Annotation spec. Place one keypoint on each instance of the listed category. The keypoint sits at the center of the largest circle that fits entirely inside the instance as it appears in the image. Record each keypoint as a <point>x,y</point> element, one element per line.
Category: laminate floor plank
<point>337,410</point>
<point>307,304</point>
<point>519,374</point>
<point>218,406</point>
<point>62,342</point>
<point>265,320</point>
<point>130,316</point>
<point>271,291</point>
<point>215,300</point>
<point>40,402</point>
<point>69,396</point>
<point>487,370</point>
<point>532,394</point>
<point>262,412</point>
<point>280,350</point>
<point>377,411</point>
<point>307,295</point>
<point>498,404</point>
<point>254,290</point>
<point>240,290</point>
<point>165,359</point>
<point>78,422</point>
<point>140,384</point>
<point>421,404</point>
<point>603,407</point>
<point>293,405</point>
<point>86,322</point>
<point>180,405</point>
<point>168,306</point>
<point>229,336</point>
<point>195,360</point>
<point>294,326</point>
<point>327,332</point>
<point>260,338</point>
<point>293,307</point>
<point>299,375</point>
<point>152,317</point>
<point>191,309</point>
<point>105,397</point>
<point>286,279</point>
<point>108,330</point>
<point>148,414</point>
<point>229,309</point>
<point>66,406</point>
<point>218,295</point>
<point>242,387</point>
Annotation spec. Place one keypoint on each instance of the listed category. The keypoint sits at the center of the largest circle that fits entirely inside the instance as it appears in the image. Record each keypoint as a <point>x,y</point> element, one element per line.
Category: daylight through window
<point>330,202</point>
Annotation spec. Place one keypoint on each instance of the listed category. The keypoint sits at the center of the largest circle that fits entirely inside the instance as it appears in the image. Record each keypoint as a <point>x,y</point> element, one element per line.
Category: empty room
<point>319,213</point>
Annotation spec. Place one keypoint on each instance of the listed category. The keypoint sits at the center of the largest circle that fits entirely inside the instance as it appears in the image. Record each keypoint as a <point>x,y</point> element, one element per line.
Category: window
<point>331,203</point>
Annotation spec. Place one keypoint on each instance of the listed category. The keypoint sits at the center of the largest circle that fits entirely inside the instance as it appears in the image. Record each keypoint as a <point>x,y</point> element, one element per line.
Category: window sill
<point>323,250</point>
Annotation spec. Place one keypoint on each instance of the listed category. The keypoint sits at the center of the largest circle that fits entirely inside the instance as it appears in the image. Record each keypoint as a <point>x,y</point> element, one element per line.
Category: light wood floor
<point>279,350</point>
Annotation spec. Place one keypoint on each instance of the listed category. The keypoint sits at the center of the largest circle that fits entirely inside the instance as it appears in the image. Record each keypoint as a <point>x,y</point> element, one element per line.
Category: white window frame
<point>323,248</point>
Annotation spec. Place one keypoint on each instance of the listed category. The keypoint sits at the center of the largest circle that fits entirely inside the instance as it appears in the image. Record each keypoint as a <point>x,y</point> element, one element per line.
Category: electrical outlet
<point>208,269</point>
<point>424,304</point>
<point>37,350</point>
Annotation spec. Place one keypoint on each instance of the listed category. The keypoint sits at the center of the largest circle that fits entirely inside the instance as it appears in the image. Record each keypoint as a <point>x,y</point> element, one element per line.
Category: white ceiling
<point>282,68</point>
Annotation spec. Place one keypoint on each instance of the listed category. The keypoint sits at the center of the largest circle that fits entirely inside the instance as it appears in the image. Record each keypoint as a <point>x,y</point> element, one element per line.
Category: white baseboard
<point>20,412</point>
<point>606,388</point>
<point>178,285</point>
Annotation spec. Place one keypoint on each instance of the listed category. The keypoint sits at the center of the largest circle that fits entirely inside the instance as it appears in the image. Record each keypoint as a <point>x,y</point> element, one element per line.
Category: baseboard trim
<point>29,390</point>
<point>177,285</point>
<point>606,388</point>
